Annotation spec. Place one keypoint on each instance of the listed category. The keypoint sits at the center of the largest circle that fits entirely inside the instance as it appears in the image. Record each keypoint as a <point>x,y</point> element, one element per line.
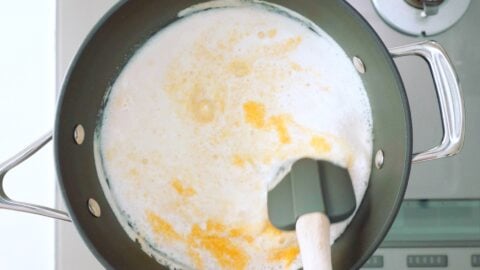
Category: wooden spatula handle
<point>313,235</point>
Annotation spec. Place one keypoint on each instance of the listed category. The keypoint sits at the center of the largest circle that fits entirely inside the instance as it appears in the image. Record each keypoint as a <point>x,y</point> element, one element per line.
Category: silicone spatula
<point>313,195</point>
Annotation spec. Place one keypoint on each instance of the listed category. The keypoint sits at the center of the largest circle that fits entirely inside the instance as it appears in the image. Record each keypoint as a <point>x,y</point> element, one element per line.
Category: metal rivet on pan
<point>79,134</point>
<point>379,159</point>
<point>94,208</point>
<point>358,63</point>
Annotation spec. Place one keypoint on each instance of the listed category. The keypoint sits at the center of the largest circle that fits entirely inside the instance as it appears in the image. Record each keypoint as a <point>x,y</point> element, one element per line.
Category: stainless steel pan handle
<point>449,97</point>
<point>7,203</point>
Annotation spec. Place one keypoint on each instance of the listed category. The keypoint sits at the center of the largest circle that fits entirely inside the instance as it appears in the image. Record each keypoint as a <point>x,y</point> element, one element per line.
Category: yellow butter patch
<point>238,161</point>
<point>288,255</point>
<point>204,110</point>
<point>286,46</point>
<point>272,33</point>
<point>280,125</point>
<point>320,144</point>
<point>239,68</point>
<point>296,66</point>
<point>254,113</point>
<point>213,226</point>
<point>270,229</point>
<point>181,189</point>
<point>292,43</point>
<point>241,233</point>
<point>225,251</point>
<point>204,105</point>
<point>162,227</point>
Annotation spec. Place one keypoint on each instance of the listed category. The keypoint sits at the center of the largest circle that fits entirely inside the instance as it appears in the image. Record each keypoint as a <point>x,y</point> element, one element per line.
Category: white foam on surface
<point>205,115</point>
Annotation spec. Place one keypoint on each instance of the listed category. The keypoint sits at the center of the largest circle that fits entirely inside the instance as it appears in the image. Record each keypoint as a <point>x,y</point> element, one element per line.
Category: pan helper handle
<point>449,97</point>
<point>5,167</point>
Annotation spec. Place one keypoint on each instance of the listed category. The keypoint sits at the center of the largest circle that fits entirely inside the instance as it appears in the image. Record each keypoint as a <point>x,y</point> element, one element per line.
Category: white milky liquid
<point>204,117</point>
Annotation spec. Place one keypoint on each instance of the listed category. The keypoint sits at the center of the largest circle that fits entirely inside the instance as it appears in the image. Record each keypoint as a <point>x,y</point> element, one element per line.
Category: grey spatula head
<point>311,186</point>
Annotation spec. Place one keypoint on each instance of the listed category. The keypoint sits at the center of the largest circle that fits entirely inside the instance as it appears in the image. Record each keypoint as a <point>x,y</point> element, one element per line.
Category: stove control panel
<point>425,258</point>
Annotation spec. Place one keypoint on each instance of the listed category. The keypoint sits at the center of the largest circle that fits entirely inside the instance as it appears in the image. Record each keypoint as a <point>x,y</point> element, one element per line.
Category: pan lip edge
<point>57,130</point>
<point>388,222</point>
